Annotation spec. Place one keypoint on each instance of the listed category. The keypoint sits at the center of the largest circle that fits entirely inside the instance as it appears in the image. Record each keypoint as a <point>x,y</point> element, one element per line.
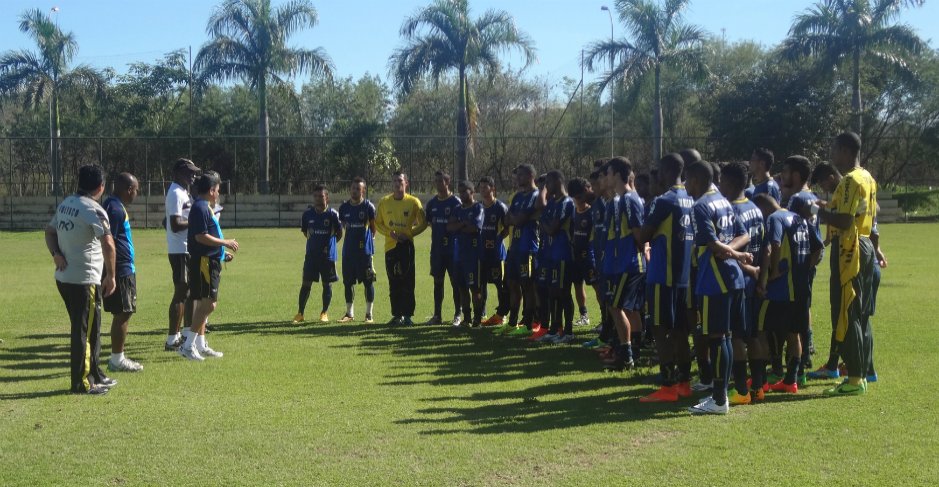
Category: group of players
<point>693,250</point>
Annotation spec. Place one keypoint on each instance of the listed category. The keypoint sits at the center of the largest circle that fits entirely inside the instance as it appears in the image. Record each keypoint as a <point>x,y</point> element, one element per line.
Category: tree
<point>42,77</point>
<point>442,37</point>
<point>661,40</point>
<point>249,42</point>
<point>838,32</point>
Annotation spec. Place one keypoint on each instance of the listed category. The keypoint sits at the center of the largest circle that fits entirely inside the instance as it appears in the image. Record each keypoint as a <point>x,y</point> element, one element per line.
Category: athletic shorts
<point>468,272</point>
<point>180,265</point>
<point>357,268</point>
<point>318,267</point>
<point>717,311</point>
<point>206,274</point>
<point>124,298</point>
<point>441,262</point>
<point>583,270</point>
<point>543,272</point>
<point>784,316</point>
<point>741,322</point>
<point>519,266</point>
<point>627,291</point>
<point>491,272</point>
<point>561,274</point>
<point>667,306</point>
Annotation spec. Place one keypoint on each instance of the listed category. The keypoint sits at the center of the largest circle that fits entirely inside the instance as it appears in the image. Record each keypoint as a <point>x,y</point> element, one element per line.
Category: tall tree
<point>249,42</point>
<point>41,77</point>
<point>838,32</point>
<point>442,37</point>
<point>661,39</point>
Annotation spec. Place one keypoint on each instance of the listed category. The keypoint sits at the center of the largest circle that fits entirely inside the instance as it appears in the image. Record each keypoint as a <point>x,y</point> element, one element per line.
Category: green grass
<point>368,405</point>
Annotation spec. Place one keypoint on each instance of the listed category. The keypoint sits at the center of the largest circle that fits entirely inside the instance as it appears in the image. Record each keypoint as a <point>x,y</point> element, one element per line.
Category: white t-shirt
<point>178,203</point>
<point>79,224</point>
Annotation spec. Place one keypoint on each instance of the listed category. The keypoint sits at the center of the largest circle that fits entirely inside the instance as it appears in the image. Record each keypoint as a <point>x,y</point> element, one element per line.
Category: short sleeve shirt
<point>355,218</point>
<point>178,203</point>
<point>80,223</point>
<point>321,229</point>
<point>123,239</point>
<point>202,221</point>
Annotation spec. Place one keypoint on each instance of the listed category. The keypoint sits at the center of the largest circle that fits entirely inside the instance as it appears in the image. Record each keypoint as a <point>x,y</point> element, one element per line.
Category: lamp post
<point>607,9</point>
<point>56,173</point>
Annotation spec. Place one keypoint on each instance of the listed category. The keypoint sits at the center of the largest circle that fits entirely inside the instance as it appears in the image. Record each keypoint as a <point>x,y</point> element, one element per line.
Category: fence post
<point>10,192</point>
<point>146,170</point>
<point>235,175</point>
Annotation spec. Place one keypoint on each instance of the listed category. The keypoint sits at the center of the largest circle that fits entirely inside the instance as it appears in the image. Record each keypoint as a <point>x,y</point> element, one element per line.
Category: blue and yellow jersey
<point>438,212</point>
<point>558,246</point>
<point>202,220</point>
<point>791,233</point>
<point>801,200</point>
<point>611,232</point>
<point>630,256</point>
<point>524,237</point>
<point>770,187</point>
<point>581,234</point>
<point>715,221</point>
<point>321,228</point>
<point>752,220</point>
<point>123,239</point>
<point>469,245</point>
<point>671,244</point>
<point>856,195</point>
<point>493,225</point>
<point>598,239</point>
<point>358,238</point>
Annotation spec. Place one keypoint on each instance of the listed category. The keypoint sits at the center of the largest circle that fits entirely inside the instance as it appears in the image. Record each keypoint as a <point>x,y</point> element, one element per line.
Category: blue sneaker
<point>872,377</point>
<point>594,344</point>
<point>823,373</point>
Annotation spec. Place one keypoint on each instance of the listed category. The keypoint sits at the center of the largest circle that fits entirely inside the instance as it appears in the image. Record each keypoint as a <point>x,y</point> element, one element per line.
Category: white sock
<point>200,342</point>
<point>190,340</point>
<point>368,308</point>
<point>117,357</point>
<point>186,333</point>
<point>349,309</point>
<point>171,339</point>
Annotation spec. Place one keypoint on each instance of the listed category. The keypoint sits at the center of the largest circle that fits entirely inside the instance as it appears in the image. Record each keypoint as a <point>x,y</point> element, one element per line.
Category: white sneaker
<point>208,352</point>
<point>583,321</point>
<point>190,353</point>
<point>708,406</point>
<point>701,387</point>
<point>124,365</point>
<point>457,321</point>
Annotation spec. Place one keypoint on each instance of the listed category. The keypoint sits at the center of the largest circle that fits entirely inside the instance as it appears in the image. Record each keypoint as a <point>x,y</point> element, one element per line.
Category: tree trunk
<point>264,142</point>
<point>856,92</point>
<point>461,172</point>
<point>55,133</point>
<point>657,126</point>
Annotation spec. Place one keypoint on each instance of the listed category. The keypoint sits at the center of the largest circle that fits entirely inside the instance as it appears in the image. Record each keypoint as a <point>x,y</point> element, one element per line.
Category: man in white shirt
<point>176,223</point>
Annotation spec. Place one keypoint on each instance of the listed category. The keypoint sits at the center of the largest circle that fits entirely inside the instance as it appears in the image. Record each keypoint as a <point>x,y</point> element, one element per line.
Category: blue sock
<point>722,357</point>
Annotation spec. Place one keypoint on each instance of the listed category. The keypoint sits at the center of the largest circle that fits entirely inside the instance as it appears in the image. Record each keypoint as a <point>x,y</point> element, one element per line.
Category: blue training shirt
<point>123,240</point>
<point>769,187</point>
<point>202,220</point>
<point>524,237</point>
<point>630,257</point>
<point>358,238</point>
<point>558,246</point>
<point>751,219</point>
<point>581,235</point>
<point>670,214</point>
<point>468,246</point>
<point>791,233</point>
<point>321,229</point>
<point>493,225</point>
<point>438,213</point>
<point>715,221</point>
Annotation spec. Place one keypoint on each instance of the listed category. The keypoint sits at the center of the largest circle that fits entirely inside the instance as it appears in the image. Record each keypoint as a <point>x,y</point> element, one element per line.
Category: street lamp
<point>607,9</point>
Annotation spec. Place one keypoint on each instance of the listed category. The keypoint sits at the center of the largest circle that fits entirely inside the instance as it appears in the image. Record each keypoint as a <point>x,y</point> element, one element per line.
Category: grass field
<point>369,405</point>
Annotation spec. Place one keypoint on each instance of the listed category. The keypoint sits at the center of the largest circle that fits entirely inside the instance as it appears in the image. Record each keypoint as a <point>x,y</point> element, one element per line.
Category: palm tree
<point>249,42</point>
<point>852,31</point>
<point>442,37</point>
<point>661,40</point>
<point>42,77</point>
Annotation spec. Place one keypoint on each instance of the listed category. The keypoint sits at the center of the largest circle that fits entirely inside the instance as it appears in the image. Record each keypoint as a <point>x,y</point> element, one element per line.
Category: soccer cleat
<point>845,389</point>
<point>584,320</point>
<point>520,331</point>
<point>346,319</point>
<point>872,377</point>
<point>683,389</point>
<point>174,346</point>
<point>565,339</point>
<point>108,382</point>
<point>494,320</point>
<point>823,373</point>
<point>324,318</point>
<point>800,380</point>
<point>457,321</point>
<point>434,320</point>
<point>664,394</point>
<point>394,321</point>
<point>544,338</point>
<point>369,320</point>
<point>702,387</point>
<point>95,390</point>
<point>208,352</point>
<point>783,387</point>
<point>537,333</point>
<point>298,319</point>
<point>190,353</point>
<point>407,321</point>
<point>592,344</point>
<point>765,387</point>
<point>708,406</point>
<point>772,378</point>
<point>758,394</point>
<point>503,329</point>
<point>124,365</point>
<point>737,399</point>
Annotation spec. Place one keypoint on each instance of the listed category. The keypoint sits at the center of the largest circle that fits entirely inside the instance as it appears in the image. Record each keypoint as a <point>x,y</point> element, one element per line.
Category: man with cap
<point>176,223</point>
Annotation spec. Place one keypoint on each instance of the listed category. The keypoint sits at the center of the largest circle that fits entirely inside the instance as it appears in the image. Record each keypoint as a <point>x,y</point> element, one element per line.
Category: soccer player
<point>669,231</point>
<point>439,210</point>
<point>178,202</point>
<point>321,226</point>
<point>601,200</point>
<point>357,215</point>
<point>123,302</point>
<point>719,279</point>
<point>624,264</point>
<point>761,163</point>
<point>784,283</point>
<point>747,337</point>
<point>584,269</point>
<point>79,239</point>
<point>542,265</point>
<point>523,218</point>
<point>400,218</point>
<point>492,257</point>
<point>467,226</point>
<point>207,246</point>
<point>556,233</point>
<point>850,217</point>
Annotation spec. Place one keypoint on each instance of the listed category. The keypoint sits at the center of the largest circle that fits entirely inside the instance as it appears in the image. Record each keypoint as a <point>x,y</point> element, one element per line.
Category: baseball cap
<point>185,164</point>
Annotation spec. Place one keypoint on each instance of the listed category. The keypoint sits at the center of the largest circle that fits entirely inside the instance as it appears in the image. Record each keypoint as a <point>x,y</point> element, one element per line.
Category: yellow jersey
<point>404,216</point>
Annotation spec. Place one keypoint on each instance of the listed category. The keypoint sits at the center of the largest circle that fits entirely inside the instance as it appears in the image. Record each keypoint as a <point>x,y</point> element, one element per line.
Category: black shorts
<point>492,272</point>
<point>717,311</point>
<point>561,274</point>
<point>124,298</point>
<point>206,274</point>
<point>583,270</point>
<point>785,316</point>
<point>667,306</point>
<point>741,319</point>
<point>441,262</point>
<point>468,272</point>
<point>518,266</point>
<point>627,291</point>
<point>180,265</point>
<point>316,267</point>
<point>543,272</point>
<point>357,269</point>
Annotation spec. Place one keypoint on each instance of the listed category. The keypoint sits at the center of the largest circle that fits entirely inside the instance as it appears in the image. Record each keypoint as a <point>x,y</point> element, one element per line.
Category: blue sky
<point>360,35</point>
